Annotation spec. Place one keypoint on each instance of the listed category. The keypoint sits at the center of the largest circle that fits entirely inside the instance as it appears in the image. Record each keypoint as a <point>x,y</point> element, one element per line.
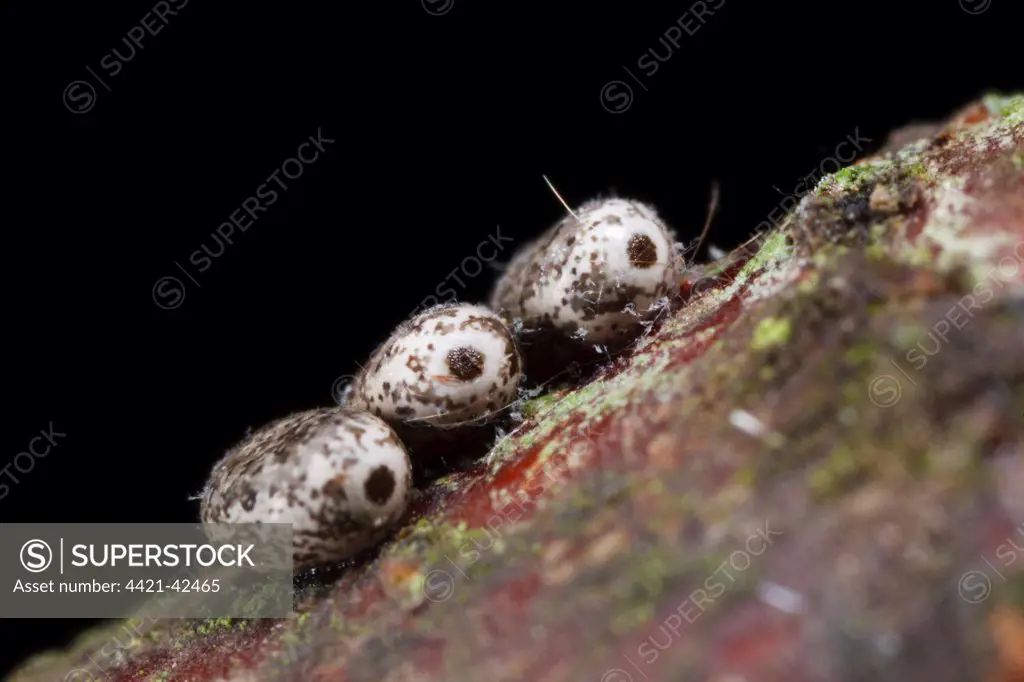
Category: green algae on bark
<point>810,469</point>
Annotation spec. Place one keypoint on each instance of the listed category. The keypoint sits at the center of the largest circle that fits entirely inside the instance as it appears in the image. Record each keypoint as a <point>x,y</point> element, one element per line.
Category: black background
<point>442,125</point>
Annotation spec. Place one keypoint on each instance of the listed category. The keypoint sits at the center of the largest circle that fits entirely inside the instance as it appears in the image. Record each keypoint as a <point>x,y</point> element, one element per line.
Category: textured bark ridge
<point>811,469</point>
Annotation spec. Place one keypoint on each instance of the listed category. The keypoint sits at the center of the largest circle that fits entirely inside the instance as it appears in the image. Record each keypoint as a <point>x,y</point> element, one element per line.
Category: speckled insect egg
<point>450,364</point>
<point>340,477</point>
<point>601,273</point>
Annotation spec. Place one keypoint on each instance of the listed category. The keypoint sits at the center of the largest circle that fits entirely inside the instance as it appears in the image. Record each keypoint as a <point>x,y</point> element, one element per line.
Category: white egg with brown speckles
<point>603,273</point>
<point>341,478</point>
<point>450,364</point>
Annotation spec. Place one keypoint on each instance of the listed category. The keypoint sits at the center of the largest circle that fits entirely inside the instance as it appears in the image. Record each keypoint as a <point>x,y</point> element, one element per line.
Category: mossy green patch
<point>771,332</point>
<point>840,468</point>
<point>857,176</point>
<point>774,249</point>
<point>531,408</point>
<point>916,170</point>
<point>214,624</point>
<point>860,354</point>
<point>877,251</point>
<point>431,542</point>
<point>555,411</point>
<point>635,597</point>
<point>1006,107</point>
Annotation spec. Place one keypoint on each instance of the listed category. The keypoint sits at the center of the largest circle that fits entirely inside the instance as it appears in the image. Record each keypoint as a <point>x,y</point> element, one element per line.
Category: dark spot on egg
<point>379,485</point>
<point>335,488</point>
<point>642,251</point>
<point>465,363</point>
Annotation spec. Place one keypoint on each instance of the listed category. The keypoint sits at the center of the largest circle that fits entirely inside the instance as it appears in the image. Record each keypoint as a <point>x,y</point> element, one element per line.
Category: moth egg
<point>449,364</point>
<point>342,479</point>
<point>596,276</point>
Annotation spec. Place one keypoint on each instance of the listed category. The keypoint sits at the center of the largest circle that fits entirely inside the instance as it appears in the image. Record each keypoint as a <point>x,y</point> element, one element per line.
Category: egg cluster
<point>343,476</point>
